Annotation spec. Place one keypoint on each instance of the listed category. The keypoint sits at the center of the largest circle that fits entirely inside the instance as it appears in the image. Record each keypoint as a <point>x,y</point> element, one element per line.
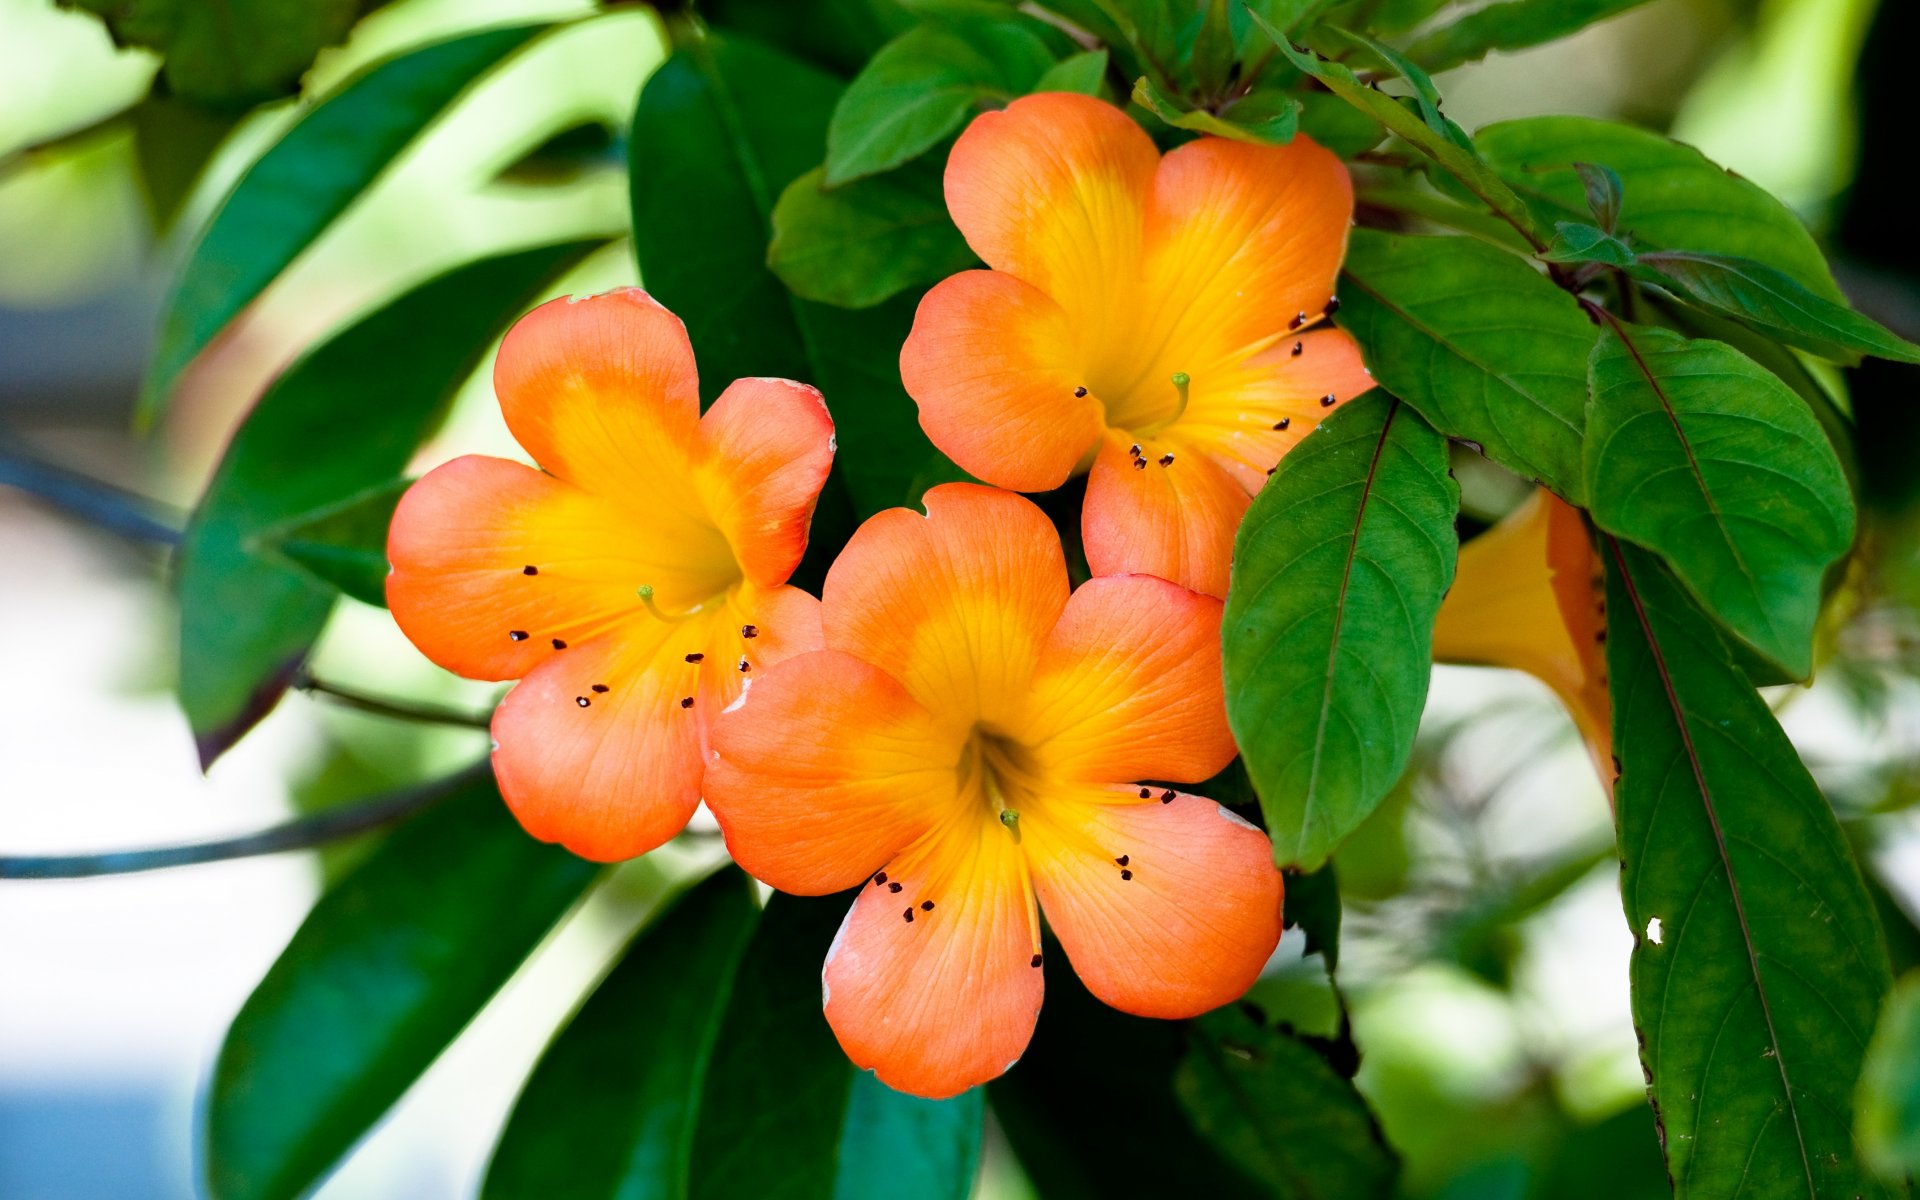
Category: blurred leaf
<point>385,971</point>
<point>838,35</point>
<point>784,1114</point>
<point>1486,347</point>
<point>1605,193</point>
<point>232,54</point>
<point>611,1108</point>
<point>1575,242</point>
<point>1084,73</point>
<point>1698,453</point>
<point>1210,58</point>
<point>566,156</point>
<point>1338,571</point>
<point>1273,123</point>
<point>1513,25</point>
<point>1337,125</point>
<point>856,245</point>
<point>923,85</point>
<point>1775,302</point>
<point>1615,1159</point>
<point>1889,1096</point>
<point>1313,903</point>
<point>351,413</point>
<point>344,544</point>
<point>173,140</point>
<point>1484,936</point>
<point>1673,195</point>
<point>1276,1109</point>
<point>722,127</point>
<point>1757,965</point>
<point>320,166</point>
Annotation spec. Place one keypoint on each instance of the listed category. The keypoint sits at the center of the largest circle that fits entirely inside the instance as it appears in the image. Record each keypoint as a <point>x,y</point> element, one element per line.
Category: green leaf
<point>1698,453</point>
<point>1274,1107</point>
<point>721,129</point>
<point>320,166</point>
<point>1486,347</point>
<point>1271,123</point>
<point>1574,242</point>
<point>780,1084</point>
<point>173,140</point>
<point>1673,195</point>
<point>568,155</point>
<point>233,54</point>
<point>857,245</point>
<point>1605,193</point>
<point>344,544</point>
<point>1757,964</point>
<point>611,1107</point>
<point>1083,73</point>
<point>353,411</point>
<point>1513,25</point>
<point>1776,303</point>
<point>1337,125</point>
<point>385,971</point>
<point>836,35</point>
<point>922,86</point>
<point>1313,903</point>
<point>1889,1094</point>
<point>1338,572</point>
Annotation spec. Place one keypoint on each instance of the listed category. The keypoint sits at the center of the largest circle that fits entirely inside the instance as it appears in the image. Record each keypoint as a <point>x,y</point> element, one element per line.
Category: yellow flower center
<point>999,772</point>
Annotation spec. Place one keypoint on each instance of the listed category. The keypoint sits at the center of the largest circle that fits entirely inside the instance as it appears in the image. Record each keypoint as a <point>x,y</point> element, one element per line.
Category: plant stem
<point>99,503</point>
<point>380,706</point>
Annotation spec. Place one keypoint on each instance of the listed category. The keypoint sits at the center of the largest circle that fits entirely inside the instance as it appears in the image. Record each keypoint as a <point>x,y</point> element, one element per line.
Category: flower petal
<point>1249,417</point>
<point>954,604</point>
<point>1165,909</point>
<point>767,445</point>
<point>1129,686</point>
<point>990,362</point>
<point>1173,517</point>
<point>824,770</point>
<point>936,987</point>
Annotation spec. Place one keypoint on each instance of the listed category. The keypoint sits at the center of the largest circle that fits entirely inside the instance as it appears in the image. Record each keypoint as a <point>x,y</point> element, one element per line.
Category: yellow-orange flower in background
<point>1529,594</point>
<point>1114,271</point>
<point>632,586</point>
<point>971,741</point>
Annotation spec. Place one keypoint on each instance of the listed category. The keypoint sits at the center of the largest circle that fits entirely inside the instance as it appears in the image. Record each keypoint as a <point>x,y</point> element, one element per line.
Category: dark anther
<point>518,635</point>
<point>1126,874</point>
<point>879,879</point>
<point>599,687</point>
<point>1146,793</point>
<point>1601,636</point>
<point>694,658</point>
<point>583,702</point>
<point>1166,460</point>
<point>893,887</point>
<point>1122,860</point>
<point>908,915</point>
<point>1327,401</point>
<point>1035,962</point>
<point>529,569</point>
<point>686,702</point>
<point>558,644</point>
<point>744,664</point>
<point>1271,470</point>
<point>1333,305</point>
<point>1298,347</point>
<point>1167,796</point>
<point>749,631</point>
<point>1282,423</point>
<point>1079,393</point>
<point>926,906</point>
<point>1139,464</point>
<point>1134,449</point>
<point>1297,321</point>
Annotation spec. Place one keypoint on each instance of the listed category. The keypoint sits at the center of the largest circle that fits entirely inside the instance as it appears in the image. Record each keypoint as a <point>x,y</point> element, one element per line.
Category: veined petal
<point>1168,511</point>
<point>936,987</point>
<point>825,770</point>
<point>1247,419</point>
<point>1165,908</point>
<point>955,604</point>
<point>766,448</point>
<point>1527,595</point>
<point>1129,686</point>
<point>991,363</point>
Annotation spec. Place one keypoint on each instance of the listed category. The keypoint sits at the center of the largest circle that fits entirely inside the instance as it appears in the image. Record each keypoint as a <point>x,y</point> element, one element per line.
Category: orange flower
<point>975,736</point>
<point>633,585</point>
<point>1116,270</point>
<point>1529,594</point>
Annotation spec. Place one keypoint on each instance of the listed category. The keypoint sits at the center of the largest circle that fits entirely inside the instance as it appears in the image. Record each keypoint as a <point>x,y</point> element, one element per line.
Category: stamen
<point>1281,424</point>
<point>893,887</point>
<point>879,879</point>
<point>744,665</point>
<point>1298,320</point>
<point>600,687</point>
<point>1166,460</point>
<point>1035,962</point>
<point>1146,793</point>
<point>908,915</point>
<point>558,644</point>
<point>1333,306</point>
<point>1167,796</point>
<point>1079,393</point>
<point>1126,874</point>
<point>1297,348</point>
<point>686,702</point>
<point>1134,450</point>
<point>1328,400</point>
<point>926,906</point>
<point>517,635</point>
<point>1122,860</point>
<point>694,658</point>
<point>583,702</point>
<point>1139,464</point>
<point>749,631</point>
<point>529,569</point>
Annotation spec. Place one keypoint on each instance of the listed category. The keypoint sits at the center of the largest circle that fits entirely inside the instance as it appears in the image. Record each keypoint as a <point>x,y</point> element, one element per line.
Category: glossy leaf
<point>1889,1097</point>
<point>318,167</point>
<point>785,1115</point>
<point>1698,453</point>
<point>1776,303</point>
<point>1511,25</point>
<point>344,544</point>
<point>1486,347</point>
<point>385,971</point>
<point>1338,572</point>
<point>353,411</point>
<point>856,245</point>
<point>1757,966</point>
<point>1274,1107</point>
<point>611,1108</point>
<point>1271,123</point>
<point>1084,73</point>
<point>233,54</point>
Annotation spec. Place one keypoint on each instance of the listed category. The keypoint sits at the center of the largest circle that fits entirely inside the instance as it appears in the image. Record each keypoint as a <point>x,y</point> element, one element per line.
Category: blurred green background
<point>1484,953</point>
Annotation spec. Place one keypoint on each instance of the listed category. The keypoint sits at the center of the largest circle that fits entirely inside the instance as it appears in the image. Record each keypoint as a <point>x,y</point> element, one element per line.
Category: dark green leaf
<point>1274,1107</point>
<point>1337,125</point>
<point>1673,195</point>
<point>922,86</point>
<point>856,245</point>
<point>344,544</point>
<point>1084,73</point>
<point>722,127</point>
<point>352,411</point>
<point>385,971</point>
<point>611,1108</point>
<point>1757,965</point>
<point>1313,903</point>
<point>839,35</point>
<point>1486,347</point>
<point>1776,303</point>
<point>568,155</point>
<point>1513,25</point>
<point>233,54</point>
<point>785,1116</point>
<point>1889,1099</point>
<point>1210,58</point>
<point>173,140</point>
<point>1575,242</point>
<point>1698,453</point>
<point>1270,123</point>
<point>320,165</point>
<point>1338,572</point>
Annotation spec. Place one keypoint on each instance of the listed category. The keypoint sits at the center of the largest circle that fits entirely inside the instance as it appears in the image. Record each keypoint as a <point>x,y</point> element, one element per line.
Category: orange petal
<point>767,445</point>
<point>824,770</point>
<point>1173,517</point>
<point>936,987</point>
<point>955,604</point>
<point>1249,417</point>
<point>990,362</point>
<point>1165,909</point>
<point>1051,189</point>
<point>462,541</point>
<point>1129,686</point>
<point>1527,595</point>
